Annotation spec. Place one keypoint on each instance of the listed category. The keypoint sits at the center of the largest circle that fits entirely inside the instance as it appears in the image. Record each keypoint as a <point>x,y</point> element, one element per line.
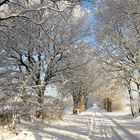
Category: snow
<point>115,126</point>
<point>94,124</point>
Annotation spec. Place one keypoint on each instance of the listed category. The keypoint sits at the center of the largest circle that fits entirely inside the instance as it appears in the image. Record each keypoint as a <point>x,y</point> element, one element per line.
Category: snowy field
<point>94,124</point>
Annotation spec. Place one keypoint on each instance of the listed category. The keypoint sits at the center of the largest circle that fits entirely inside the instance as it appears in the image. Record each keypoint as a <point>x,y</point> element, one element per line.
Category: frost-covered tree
<point>36,42</point>
<point>79,80</point>
<point>118,38</point>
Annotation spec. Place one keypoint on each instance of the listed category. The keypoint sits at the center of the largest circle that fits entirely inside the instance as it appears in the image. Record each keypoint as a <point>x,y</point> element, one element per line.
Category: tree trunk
<point>108,104</point>
<point>138,88</point>
<point>40,100</point>
<point>79,104</point>
<point>131,105</point>
<point>105,104</point>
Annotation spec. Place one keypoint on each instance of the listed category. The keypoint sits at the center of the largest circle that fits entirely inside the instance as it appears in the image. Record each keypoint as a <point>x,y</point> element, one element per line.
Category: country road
<point>105,127</point>
<point>94,124</point>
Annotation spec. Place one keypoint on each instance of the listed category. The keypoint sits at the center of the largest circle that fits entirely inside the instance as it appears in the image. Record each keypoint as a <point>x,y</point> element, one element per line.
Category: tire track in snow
<point>92,123</point>
<point>121,132</point>
<point>106,127</point>
<point>101,127</point>
<point>111,129</point>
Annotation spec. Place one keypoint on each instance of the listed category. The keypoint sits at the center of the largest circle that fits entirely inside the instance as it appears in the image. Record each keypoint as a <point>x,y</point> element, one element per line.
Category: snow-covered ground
<point>94,124</point>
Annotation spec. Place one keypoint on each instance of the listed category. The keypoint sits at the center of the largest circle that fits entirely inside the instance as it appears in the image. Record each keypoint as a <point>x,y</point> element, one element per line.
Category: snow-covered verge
<point>94,124</point>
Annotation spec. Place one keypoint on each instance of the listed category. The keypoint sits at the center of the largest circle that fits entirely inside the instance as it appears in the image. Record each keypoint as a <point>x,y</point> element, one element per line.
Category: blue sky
<point>87,4</point>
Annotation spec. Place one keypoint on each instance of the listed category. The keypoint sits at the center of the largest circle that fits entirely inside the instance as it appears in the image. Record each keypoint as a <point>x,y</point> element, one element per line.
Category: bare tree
<point>36,43</point>
<point>118,37</point>
<point>79,81</point>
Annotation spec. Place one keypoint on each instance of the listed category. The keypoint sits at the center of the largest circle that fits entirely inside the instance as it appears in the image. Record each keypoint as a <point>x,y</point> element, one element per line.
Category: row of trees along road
<point>118,39</point>
<point>37,40</point>
<point>42,43</point>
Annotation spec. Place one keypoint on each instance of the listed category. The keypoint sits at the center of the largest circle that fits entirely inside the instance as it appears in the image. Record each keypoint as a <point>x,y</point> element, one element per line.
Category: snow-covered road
<point>104,127</point>
<point>94,124</point>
